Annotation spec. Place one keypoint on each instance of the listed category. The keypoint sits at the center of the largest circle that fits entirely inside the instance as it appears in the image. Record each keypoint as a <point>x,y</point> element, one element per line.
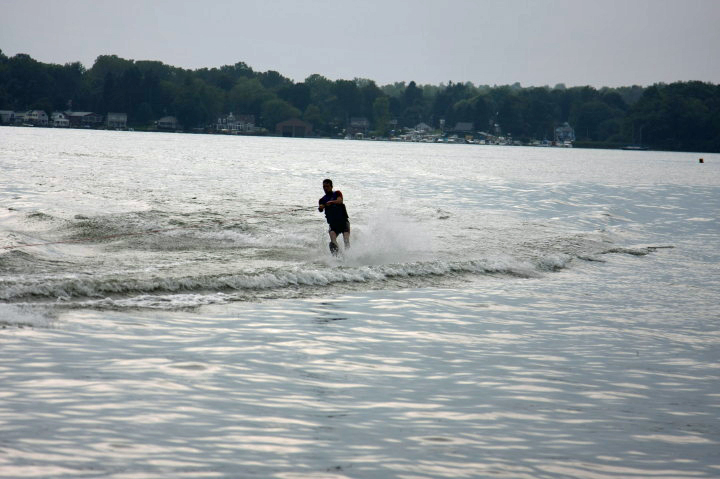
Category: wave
<point>138,290</point>
<point>19,261</point>
<point>187,266</point>
<point>637,251</point>
<point>67,287</point>
<point>15,315</point>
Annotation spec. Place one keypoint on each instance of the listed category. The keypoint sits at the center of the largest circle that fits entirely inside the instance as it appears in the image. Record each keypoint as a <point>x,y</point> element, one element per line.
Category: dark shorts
<point>340,227</point>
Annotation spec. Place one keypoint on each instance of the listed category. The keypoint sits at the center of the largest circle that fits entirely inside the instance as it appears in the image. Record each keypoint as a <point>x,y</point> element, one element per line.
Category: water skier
<point>336,215</point>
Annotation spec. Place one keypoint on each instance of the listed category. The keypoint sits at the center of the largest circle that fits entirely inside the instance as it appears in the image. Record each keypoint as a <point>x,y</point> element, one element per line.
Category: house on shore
<point>84,119</point>
<point>168,123</point>
<point>235,124</point>
<point>7,117</point>
<point>116,120</point>
<point>58,119</point>
<point>37,118</point>
<point>293,128</point>
<point>358,126</point>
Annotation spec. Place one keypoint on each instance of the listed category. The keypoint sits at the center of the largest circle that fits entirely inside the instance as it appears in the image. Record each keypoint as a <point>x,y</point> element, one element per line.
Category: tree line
<point>676,116</point>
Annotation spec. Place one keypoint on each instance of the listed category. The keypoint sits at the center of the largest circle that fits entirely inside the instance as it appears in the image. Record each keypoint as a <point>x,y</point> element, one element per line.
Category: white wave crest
<point>19,315</point>
<point>76,286</point>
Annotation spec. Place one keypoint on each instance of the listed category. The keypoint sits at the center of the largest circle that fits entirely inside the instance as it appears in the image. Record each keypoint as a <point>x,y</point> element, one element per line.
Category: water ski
<point>334,249</point>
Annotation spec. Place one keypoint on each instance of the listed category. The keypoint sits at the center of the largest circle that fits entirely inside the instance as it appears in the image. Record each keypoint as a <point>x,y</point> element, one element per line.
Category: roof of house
<point>80,113</point>
<point>359,121</point>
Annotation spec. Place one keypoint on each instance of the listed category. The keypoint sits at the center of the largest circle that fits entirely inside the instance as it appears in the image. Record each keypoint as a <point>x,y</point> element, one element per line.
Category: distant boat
<point>634,148</point>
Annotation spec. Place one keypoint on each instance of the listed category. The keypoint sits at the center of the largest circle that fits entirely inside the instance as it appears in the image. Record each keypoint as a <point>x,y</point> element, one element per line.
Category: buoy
<point>702,161</point>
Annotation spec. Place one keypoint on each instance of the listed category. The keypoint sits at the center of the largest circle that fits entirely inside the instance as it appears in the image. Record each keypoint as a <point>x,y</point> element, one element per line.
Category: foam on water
<point>388,238</point>
<point>21,316</point>
<point>141,259</point>
<point>70,286</point>
<point>207,256</point>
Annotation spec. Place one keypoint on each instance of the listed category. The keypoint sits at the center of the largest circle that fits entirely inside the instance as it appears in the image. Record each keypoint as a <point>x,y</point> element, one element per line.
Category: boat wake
<point>92,264</point>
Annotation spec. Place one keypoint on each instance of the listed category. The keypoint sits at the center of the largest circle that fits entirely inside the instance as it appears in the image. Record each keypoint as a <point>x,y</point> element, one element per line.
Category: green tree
<point>680,115</point>
<point>476,110</point>
<point>412,95</point>
<point>313,115</point>
<point>27,81</point>
<point>197,104</point>
<point>369,92</point>
<point>248,96</point>
<point>413,106</point>
<point>395,90</point>
<point>348,100</point>
<point>239,70</point>
<point>595,120</point>
<point>443,106</point>
<point>381,114</point>
<point>276,110</point>
<point>68,85</point>
<point>297,94</point>
<point>273,80</point>
<point>144,114</point>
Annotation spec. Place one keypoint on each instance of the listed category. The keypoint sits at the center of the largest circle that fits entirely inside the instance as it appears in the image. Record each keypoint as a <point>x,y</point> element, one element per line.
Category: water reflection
<point>429,383</point>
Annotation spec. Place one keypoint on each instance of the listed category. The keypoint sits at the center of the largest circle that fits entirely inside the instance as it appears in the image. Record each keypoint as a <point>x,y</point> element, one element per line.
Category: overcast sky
<point>494,42</point>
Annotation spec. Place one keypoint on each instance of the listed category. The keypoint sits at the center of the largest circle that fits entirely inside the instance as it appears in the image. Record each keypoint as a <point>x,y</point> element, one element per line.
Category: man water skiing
<point>336,215</point>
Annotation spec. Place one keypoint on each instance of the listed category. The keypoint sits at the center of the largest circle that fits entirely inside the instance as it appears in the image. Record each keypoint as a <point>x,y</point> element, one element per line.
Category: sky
<point>487,42</point>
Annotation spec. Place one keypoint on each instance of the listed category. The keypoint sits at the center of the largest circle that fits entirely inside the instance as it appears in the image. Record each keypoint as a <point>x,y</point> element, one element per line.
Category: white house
<point>235,124</point>
<point>37,117</point>
<point>59,120</point>
<point>168,123</point>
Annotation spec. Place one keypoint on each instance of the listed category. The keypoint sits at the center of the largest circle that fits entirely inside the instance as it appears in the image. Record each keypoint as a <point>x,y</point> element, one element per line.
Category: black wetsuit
<point>335,214</point>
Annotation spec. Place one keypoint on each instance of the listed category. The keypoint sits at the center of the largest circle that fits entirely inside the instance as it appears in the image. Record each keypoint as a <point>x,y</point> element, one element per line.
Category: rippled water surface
<point>169,309</point>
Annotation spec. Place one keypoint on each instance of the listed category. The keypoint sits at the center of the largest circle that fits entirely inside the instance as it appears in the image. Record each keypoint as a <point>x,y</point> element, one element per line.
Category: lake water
<point>169,308</point>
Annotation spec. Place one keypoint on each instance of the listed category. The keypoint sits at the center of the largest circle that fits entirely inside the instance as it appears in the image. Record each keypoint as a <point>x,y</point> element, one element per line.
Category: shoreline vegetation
<point>117,93</point>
